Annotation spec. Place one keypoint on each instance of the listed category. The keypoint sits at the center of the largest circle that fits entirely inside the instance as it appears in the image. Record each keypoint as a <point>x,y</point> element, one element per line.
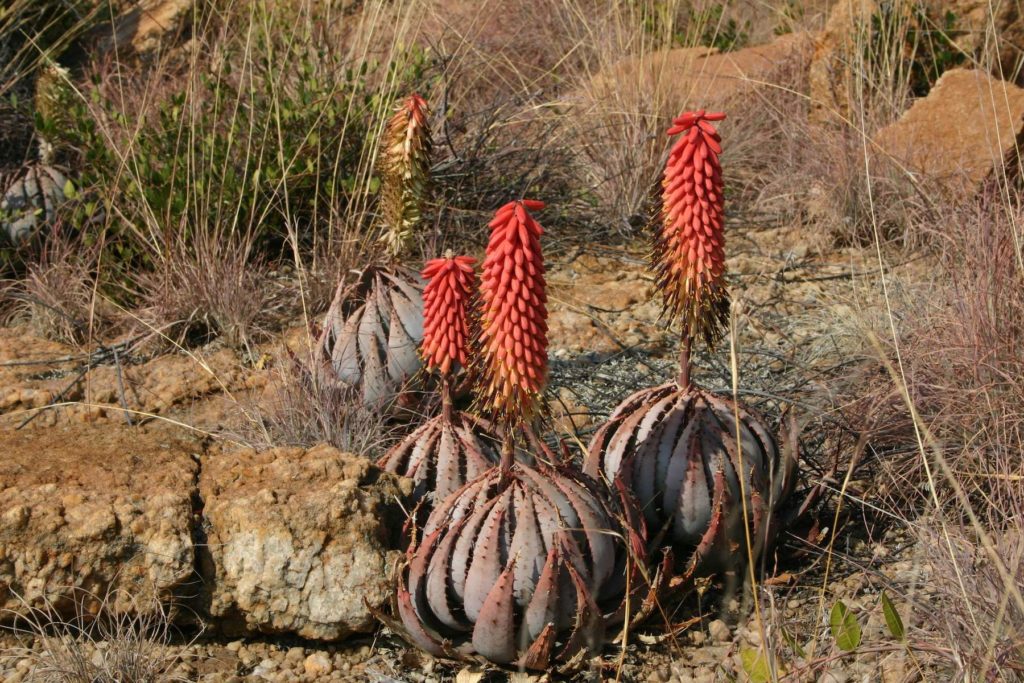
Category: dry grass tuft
<point>299,409</point>
<point>56,295</point>
<point>98,645</point>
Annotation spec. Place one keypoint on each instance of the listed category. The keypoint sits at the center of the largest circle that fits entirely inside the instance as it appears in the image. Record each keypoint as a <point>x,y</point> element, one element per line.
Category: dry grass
<point>299,409</point>
<point>97,645</point>
<point>56,295</point>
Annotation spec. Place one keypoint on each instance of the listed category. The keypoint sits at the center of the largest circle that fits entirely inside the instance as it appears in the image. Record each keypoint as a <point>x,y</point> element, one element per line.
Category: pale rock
<point>304,563</point>
<point>103,514</point>
<point>317,664</point>
<point>719,631</point>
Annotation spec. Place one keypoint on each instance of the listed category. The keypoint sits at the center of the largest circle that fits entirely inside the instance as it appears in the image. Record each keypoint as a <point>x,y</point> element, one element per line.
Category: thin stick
<point>120,390</point>
<point>684,362</point>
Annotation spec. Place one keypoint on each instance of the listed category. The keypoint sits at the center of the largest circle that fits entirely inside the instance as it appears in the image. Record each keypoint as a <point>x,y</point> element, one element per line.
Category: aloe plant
<point>524,566</point>
<point>707,472</point>
<point>373,327</point>
<point>453,447</point>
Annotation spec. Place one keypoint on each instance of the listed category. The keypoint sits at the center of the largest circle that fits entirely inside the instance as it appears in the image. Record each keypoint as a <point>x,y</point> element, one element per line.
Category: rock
<point>317,664</point>
<point>142,27</point>
<point>719,631</point>
<point>993,32</point>
<point>93,516</point>
<point>298,539</point>
<point>922,141</point>
<point>710,77</point>
<point>832,65</point>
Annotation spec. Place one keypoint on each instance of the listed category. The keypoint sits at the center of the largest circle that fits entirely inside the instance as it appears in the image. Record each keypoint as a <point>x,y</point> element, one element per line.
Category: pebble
<point>719,632</point>
<point>317,664</point>
<point>295,654</point>
<point>234,646</point>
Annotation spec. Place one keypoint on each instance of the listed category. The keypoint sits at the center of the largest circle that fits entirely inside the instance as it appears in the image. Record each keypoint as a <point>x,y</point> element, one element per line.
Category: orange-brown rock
<point>700,76</point>
<point>143,25</point>
<point>91,515</point>
<point>833,64</point>
<point>960,134</point>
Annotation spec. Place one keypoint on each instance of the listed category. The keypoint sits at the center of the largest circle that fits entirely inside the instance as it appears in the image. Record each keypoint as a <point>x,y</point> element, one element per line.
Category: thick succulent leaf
<point>449,475</point>
<point>414,628</point>
<point>403,351</point>
<point>685,449</point>
<point>486,564</point>
<point>588,627</point>
<point>538,655</point>
<point>345,354</point>
<point>376,387</point>
<point>527,550</point>
<point>693,511</point>
<point>407,298</point>
<point>542,609</point>
<point>465,546</point>
<point>494,633</point>
<point>436,589</point>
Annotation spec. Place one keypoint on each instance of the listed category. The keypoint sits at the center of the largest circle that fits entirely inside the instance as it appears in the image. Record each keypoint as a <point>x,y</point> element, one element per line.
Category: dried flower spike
<point>689,255</point>
<point>513,333</point>
<point>451,282</point>
<point>405,172</point>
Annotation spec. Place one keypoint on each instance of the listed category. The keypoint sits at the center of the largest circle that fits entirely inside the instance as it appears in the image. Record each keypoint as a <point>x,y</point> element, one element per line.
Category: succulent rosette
<point>523,567</point>
<point>374,326</point>
<point>371,333</point>
<point>706,471</point>
<point>453,447</point>
<point>695,461</point>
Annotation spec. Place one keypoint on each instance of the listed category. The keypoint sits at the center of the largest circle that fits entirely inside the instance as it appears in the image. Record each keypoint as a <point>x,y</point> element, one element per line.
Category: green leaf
<point>69,190</point>
<point>793,645</point>
<point>755,665</point>
<point>892,618</point>
<point>845,628</point>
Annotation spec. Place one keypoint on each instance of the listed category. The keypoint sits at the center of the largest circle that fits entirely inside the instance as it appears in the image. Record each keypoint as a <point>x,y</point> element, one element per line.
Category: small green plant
<point>916,44</point>
<point>719,32</point>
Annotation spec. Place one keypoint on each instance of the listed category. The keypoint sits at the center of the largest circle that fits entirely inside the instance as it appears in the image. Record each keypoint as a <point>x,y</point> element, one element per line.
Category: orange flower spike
<point>513,333</point>
<point>451,282</point>
<point>689,252</point>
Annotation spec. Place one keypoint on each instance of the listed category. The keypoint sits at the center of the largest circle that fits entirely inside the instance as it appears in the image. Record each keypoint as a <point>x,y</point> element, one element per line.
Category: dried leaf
<point>755,665</point>
<point>470,675</point>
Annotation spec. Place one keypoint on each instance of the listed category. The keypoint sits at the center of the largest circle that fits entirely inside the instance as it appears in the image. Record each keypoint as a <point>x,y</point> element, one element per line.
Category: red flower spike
<point>513,334</point>
<point>689,255</point>
<point>450,287</point>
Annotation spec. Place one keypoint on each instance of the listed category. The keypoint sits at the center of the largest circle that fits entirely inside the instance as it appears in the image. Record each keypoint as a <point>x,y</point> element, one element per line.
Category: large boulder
<point>698,76</point>
<point>965,130</point>
<point>94,518</point>
<point>833,64</point>
<point>990,30</point>
<point>297,540</point>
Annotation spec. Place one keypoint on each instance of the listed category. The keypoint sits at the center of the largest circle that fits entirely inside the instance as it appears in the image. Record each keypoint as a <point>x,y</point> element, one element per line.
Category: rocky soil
<point>263,558</point>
